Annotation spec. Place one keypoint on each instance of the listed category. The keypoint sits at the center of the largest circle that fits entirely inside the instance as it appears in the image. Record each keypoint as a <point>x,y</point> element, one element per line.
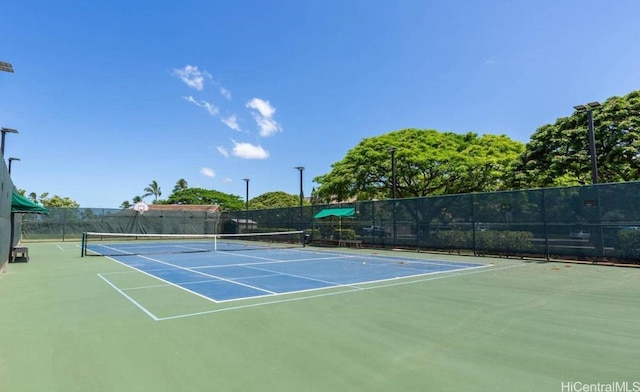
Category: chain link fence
<point>596,223</point>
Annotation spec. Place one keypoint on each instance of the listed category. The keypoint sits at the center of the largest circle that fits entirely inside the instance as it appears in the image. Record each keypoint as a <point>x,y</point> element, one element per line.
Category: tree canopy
<point>427,162</point>
<point>275,200</point>
<point>56,201</point>
<point>203,196</point>
<point>50,202</point>
<point>558,154</point>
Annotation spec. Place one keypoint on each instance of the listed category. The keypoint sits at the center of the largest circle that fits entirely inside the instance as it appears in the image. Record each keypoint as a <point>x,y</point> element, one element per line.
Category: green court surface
<point>516,325</point>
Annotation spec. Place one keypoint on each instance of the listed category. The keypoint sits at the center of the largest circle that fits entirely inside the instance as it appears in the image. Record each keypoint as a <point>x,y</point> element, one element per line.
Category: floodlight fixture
<point>4,132</point>
<point>580,108</point>
<point>6,67</point>
<point>11,159</point>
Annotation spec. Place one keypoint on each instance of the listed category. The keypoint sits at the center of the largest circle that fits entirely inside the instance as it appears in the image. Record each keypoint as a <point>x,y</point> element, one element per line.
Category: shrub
<point>629,243</point>
<point>508,242</point>
<point>454,239</point>
<point>345,234</point>
<point>314,234</point>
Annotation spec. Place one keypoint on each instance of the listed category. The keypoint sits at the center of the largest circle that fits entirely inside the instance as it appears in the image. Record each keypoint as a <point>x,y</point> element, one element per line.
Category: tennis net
<point>120,244</point>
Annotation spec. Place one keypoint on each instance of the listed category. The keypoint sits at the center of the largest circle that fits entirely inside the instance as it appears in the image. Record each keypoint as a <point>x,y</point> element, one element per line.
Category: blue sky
<point>108,96</point>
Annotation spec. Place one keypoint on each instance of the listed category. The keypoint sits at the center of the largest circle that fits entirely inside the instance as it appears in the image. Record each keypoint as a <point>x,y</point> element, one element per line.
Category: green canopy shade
<point>341,212</point>
<point>21,204</point>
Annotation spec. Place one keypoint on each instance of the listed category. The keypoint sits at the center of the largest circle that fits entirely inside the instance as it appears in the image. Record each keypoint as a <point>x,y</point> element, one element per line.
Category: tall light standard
<point>598,238</point>
<point>592,138</point>
<point>4,132</point>
<point>11,159</point>
<point>392,150</point>
<point>246,204</point>
<point>300,169</point>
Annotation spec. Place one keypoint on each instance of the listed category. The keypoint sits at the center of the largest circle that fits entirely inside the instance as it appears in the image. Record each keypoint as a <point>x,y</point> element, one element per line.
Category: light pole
<point>4,132</point>
<point>591,134</point>
<point>300,169</point>
<point>246,204</point>
<point>11,159</point>
<point>392,150</point>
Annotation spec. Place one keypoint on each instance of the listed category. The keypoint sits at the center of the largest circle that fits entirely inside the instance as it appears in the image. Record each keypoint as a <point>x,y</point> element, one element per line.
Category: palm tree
<point>152,189</point>
<point>33,196</point>
<point>181,184</point>
<point>125,204</point>
<point>137,199</point>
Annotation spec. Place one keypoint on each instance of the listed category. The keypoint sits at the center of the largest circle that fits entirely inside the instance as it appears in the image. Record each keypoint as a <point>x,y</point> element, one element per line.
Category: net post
<point>84,242</point>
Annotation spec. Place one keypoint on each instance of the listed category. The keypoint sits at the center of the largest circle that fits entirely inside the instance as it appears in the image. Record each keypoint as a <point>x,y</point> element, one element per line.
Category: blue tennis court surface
<point>226,276</point>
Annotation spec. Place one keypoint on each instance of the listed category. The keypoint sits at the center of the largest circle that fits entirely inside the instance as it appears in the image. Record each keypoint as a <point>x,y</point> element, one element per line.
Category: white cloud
<point>262,106</point>
<point>263,114</point>
<point>267,126</point>
<point>223,151</point>
<point>249,151</point>
<point>209,107</point>
<point>227,180</point>
<point>231,122</point>
<point>205,171</point>
<point>225,93</point>
<point>192,76</point>
<point>490,62</point>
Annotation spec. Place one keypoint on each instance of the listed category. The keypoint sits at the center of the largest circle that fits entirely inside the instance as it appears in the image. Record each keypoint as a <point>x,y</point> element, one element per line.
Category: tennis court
<point>139,323</point>
<point>257,272</point>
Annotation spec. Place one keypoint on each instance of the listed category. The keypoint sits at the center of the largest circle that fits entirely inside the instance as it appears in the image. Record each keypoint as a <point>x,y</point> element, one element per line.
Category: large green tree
<point>57,201</point>
<point>275,200</point>
<point>427,162</point>
<point>51,202</point>
<point>202,196</point>
<point>558,154</point>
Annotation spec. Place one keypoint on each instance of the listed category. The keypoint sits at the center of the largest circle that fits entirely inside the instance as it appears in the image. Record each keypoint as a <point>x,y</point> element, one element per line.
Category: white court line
<point>333,284</point>
<point>148,313</point>
<point>271,261</point>
<point>351,286</point>
<point>205,274</point>
<point>404,282</point>
<point>270,293</point>
<point>189,270</point>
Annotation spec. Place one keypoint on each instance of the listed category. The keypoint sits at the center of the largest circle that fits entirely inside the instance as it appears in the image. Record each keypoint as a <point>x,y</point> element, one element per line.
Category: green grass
<point>515,326</point>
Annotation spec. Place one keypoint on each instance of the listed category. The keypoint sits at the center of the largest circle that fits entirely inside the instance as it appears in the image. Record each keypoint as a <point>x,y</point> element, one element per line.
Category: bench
<point>19,251</point>
<point>346,243</point>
